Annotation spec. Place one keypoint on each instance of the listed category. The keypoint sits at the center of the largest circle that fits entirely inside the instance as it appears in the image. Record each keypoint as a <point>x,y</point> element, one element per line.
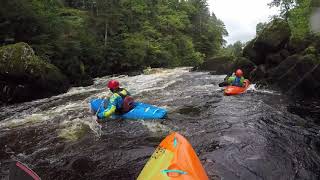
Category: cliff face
<point>290,64</point>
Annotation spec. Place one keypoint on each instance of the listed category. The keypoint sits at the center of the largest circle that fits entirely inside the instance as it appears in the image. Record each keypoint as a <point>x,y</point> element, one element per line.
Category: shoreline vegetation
<point>47,46</point>
<point>285,54</point>
<point>82,40</point>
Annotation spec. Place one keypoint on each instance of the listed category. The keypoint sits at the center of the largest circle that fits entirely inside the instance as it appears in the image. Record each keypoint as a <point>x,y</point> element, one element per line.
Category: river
<point>262,134</point>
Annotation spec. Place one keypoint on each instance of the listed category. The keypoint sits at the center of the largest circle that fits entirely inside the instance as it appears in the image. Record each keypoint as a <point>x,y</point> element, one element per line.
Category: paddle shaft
<point>102,102</point>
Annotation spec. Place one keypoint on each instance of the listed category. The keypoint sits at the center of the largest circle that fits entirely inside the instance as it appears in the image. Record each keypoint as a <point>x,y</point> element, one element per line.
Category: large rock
<point>296,45</point>
<point>258,74</point>
<point>298,74</point>
<point>252,54</point>
<point>24,76</point>
<point>274,59</point>
<point>244,64</point>
<point>217,65</point>
<point>272,39</point>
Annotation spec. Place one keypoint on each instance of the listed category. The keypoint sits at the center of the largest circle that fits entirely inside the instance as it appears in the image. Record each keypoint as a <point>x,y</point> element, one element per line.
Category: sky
<point>241,16</point>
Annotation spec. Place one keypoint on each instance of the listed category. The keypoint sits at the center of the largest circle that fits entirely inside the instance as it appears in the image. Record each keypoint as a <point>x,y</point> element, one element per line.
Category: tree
<point>237,48</point>
<point>260,26</point>
<point>285,6</point>
<point>297,13</point>
<point>98,37</point>
<point>234,50</point>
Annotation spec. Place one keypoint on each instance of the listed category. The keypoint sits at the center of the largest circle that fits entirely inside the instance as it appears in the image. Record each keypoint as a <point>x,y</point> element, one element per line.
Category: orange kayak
<point>234,90</point>
<point>174,159</point>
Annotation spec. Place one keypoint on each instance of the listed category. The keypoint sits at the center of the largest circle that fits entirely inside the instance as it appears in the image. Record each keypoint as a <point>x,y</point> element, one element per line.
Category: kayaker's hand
<point>223,84</point>
<point>100,115</point>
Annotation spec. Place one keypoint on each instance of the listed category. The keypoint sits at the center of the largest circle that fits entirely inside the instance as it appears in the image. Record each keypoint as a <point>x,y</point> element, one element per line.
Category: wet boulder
<point>244,64</point>
<point>284,53</point>
<point>311,50</point>
<point>24,76</point>
<point>296,45</point>
<point>274,59</point>
<point>272,39</point>
<point>217,65</point>
<point>258,74</point>
<point>252,54</point>
<point>284,73</point>
<point>298,74</point>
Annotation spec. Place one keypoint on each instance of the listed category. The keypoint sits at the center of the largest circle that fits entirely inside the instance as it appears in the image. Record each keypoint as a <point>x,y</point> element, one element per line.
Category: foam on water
<point>254,88</point>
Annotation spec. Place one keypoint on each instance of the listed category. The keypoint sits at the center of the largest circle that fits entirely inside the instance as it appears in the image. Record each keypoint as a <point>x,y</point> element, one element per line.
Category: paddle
<point>223,84</point>
<point>97,119</point>
<point>101,104</point>
<point>19,171</point>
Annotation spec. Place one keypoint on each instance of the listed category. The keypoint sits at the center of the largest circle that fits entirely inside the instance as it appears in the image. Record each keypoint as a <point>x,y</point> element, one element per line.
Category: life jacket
<point>128,101</point>
<point>237,82</point>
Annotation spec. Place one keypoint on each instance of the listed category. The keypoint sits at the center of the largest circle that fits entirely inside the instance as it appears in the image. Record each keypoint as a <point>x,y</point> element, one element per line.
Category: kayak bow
<point>235,90</point>
<point>174,159</point>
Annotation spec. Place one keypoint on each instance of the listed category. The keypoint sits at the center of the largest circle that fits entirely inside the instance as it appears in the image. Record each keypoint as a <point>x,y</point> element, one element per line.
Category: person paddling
<point>236,79</point>
<point>119,102</point>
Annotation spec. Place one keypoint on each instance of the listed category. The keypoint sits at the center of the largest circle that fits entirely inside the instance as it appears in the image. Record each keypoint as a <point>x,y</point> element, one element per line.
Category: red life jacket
<point>128,104</point>
<point>128,101</point>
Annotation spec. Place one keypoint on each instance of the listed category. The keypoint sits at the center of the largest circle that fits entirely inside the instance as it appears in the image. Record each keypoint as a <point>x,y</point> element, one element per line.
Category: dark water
<point>257,135</point>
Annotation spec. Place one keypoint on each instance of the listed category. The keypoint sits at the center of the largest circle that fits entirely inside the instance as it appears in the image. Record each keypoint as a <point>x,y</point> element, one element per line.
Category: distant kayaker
<point>119,102</point>
<point>236,79</point>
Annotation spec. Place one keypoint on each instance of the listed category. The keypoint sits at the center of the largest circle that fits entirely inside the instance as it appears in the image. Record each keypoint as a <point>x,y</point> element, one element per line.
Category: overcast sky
<point>241,16</point>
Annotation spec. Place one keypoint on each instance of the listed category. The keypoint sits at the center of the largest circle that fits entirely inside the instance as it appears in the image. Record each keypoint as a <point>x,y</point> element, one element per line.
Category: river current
<point>261,134</point>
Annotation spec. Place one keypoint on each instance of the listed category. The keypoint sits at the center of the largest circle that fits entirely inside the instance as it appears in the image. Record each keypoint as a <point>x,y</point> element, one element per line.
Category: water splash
<point>254,88</point>
<point>251,136</point>
<point>73,131</point>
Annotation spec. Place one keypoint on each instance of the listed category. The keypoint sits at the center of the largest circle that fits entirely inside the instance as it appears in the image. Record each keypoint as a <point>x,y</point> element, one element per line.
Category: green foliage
<point>285,6</point>
<point>260,26</point>
<point>234,50</point>
<point>297,13</point>
<point>299,19</point>
<point>87,38</point>
<point>136,48</point>
<point>19,61</point>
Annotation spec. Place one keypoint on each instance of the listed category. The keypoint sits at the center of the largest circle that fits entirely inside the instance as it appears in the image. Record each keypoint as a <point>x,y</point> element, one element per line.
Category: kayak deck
<point>235,90</point>
<point>140,110</point>
<point>174,159</point>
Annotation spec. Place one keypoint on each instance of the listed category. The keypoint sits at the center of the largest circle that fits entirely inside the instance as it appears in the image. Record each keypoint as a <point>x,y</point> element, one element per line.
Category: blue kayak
<point>140,110</point>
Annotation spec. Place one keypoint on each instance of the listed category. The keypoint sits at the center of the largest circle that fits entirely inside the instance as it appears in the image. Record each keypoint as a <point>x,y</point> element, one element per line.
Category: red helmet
<point>239,73</point>
<point>113,84</point>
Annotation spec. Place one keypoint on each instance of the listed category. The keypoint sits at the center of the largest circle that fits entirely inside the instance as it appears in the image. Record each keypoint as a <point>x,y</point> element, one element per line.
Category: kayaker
<point>119,102</point>
<point>236,79</point>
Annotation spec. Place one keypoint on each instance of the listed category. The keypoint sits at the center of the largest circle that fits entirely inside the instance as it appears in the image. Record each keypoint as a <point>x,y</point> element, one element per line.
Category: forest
<point>90,38</point>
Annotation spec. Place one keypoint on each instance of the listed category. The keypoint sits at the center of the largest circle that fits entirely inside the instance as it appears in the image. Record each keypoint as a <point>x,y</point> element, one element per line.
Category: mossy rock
<point>274,36</point>
<point>297,45</point>
<point>272,60</point>
<point>258,74</point>
<point>311,50</point>
<point>24,76</point>
<point>244,64</point>
<point>272,39</point>
<point>218,65</point>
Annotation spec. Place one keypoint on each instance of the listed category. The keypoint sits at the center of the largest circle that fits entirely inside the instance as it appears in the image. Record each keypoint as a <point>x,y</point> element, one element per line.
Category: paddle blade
<point>19,171</point>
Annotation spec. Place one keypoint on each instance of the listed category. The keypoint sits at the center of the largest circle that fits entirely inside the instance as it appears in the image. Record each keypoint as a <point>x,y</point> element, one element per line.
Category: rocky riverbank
<point>24,76</point>
<point>276,59</point>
